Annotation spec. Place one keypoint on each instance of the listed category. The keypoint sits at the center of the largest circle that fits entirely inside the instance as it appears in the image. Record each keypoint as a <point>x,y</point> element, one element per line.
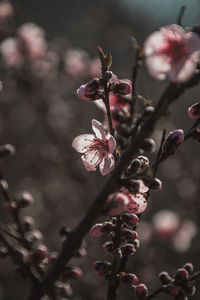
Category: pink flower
<point>173,52</point>
<point>6,10</point>
<point>137,202</point>
<point>10,52</point>
<point>116,204</point>
<point>194,111</point>
<point>32,39</point>
<point>176,135</point>
<point>98,149</point>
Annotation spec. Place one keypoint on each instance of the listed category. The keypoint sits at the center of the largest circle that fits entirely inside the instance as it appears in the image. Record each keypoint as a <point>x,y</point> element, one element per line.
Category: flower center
<point>174,50</point>
<point>100,145</point>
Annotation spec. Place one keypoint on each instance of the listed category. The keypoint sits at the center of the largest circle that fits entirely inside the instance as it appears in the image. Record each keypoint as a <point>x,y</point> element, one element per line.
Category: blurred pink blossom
<point>11,53</point>
<point>76,61</point>
<point>32,39</point>
<point>6,10</point>
<point>166,223</point>
<point>172,51</point>
<point>98,149</point>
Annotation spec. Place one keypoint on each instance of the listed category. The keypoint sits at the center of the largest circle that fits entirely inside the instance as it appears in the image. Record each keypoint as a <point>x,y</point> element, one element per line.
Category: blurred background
<point>40,114</point>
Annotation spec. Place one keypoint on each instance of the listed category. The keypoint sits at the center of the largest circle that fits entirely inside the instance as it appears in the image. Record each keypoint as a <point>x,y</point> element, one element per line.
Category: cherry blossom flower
<point>172,51</point>
<point>11,53</point>
<point>98,149</point>
<point>6,10</point>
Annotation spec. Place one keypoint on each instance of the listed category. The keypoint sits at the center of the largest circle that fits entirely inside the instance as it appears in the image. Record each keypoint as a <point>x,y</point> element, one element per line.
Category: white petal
<point>111,143</point>
<point>107,164</point>
<point>86,165</point>
<point>158,66</point>
<point>98,129</point>
<point>137,204</point>
<point>153,43</point>
<point>82,142</point>
<point>192,42</point>
<point>183,71</point>
<point>93,158</point>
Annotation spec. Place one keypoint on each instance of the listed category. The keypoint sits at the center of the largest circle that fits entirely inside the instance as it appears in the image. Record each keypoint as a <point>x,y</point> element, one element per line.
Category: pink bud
<point>130,219</point>
<point>128,279</point>
<point>194,111</point>
<point>116,204</point>
<point>122,87</point>
<point>96,230</point>
<point>177,135</point>
<point>141,291</point>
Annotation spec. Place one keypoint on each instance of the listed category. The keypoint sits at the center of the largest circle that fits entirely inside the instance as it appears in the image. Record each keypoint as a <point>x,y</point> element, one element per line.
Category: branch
<point>172,93</point>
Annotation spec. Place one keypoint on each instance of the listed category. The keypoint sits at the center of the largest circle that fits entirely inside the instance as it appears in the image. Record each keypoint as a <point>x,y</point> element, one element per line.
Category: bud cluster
<point>180,286</point>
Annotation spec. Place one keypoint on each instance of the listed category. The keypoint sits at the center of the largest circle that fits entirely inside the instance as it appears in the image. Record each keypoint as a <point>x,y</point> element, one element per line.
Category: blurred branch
<point>172,93</point>
<point>181,14</point>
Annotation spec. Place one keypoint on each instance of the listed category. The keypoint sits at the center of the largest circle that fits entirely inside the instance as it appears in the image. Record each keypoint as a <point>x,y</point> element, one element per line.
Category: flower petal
<point>192,42</point>
<point>158,66</point>
<point>137,204</point>
<point>98,129</point>
<point>87,165</point>
<point>82,142</point>
<point>111,143</point>
<point>183,71</point>
<point>93,158</point>
<point>107,164</point>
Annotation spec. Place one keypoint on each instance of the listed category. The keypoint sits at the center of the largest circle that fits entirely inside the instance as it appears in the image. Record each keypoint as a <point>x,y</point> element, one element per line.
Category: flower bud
<point>92,86</point>
<point>153,184</point>
<point>144,160</point>
<point>107,227</point>
<point>189,267</point>
<point>148,145</point>
<point>24,199</point>
<point>128,279</point>
<point>135,166</point>
<point>102,267</point>
<point>174,139</point>
<point>116,204</point>
<point>3,185</point>
<point>133,186</point>
<point>181,275</point>
<point>122,88</point>
<point>28,223</point>
<point>22,254</point>
<point>129,234</point>
<point>148,110</point>
<point>141,291</point>
<point>3,252</point>
<point>33,236</point>
<point>63,289</point>
<point>172,289</point>
<point>52,257</point>
<point>128,249</point>
<point>108,246</point>
<point>117,254</point>
<point>96,230</point>
<point>130,219</point>
<point>165,278</point>
<point>41,252</point>
<point>136,243</point>
<point>6,150</point>
<point>194,111</point>
<point>72,273</point>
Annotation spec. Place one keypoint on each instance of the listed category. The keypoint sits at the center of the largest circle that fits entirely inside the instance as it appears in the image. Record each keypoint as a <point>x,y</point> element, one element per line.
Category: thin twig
<point>180,16</point>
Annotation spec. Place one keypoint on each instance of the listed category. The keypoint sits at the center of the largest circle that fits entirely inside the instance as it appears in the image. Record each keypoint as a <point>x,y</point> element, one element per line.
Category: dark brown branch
<point>181,13</point>
<point>172,93</point>
<point>154,294</point>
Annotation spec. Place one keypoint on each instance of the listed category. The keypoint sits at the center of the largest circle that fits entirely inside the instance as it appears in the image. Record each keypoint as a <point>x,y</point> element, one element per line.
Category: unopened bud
<point>108,246</point>
<point>129,234</point>
<point>122,88</point>
<point>72,273</point>
<point>148,110</point>
<point>6,150</point>
<point>130,219</point>
<point>181,275</point>
<point>153,184</point>
<point>128,279</point>
<point>148,145</point>
<point>165,278</point>
<point>174,139</point>
<point>144,160</point>
<point>189,267</point>
<point>24,199</point>
<point>128,249</point>
<point>102,267</point>
<point>194,111</point>
<point>141,291</point>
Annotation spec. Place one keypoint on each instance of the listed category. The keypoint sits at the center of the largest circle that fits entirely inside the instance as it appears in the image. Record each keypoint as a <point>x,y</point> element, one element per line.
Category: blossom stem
<point>107,105</point>
<point>172,93</point>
